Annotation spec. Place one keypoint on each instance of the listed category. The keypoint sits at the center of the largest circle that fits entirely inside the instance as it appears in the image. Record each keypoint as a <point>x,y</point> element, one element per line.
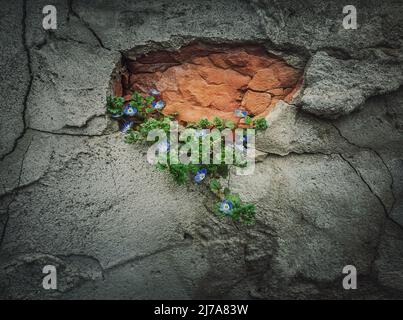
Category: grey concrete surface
<point>328,187</point>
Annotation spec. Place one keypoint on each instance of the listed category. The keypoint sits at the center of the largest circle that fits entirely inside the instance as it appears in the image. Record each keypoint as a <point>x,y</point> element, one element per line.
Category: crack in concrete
<point>49,36</point>
<point>27,185</point>
<point>391,178</point>
<point>141,257</point>
<point>105,270</point>
<point>70,134</point>
<point>358,173</point>
<point>86,123</point>
<point>85,256</point>
<point>14,196</point>
<point>19,188</point>
<point>66,39</point>
<point>71,11</point>
<point>387,214</point>
<point>380,158</point>
<point>31,78</point>
<point>291,153</point>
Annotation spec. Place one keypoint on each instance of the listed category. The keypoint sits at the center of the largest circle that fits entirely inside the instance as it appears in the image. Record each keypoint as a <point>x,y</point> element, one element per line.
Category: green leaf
<point>260,124</point>
<point>204,123</point>
<point>114,110</point>
<point>230,124</point>
<point>215,185</point>
<point>149,99</point>
<point>119,101</point>
<point>223,170</point>
<point>191,125</point>
<point>180,172</point>
<point>248,120</point>
<point>235,199</point>
<point>218,123</point>
<point>161,166</point>
<point>132,136</point>
<point>114,104</point>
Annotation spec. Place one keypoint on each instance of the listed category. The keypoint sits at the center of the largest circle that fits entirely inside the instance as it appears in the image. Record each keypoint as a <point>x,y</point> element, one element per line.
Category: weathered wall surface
<point>328,189</point>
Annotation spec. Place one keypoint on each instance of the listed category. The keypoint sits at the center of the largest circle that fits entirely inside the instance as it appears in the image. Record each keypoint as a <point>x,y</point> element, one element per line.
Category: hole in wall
<point>203,80</point>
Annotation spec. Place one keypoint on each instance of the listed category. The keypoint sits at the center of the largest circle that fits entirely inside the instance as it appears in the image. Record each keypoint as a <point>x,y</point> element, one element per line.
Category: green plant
<point>142,104</point>
<point>150,124</point>
<point>221,170</point>
<point>137,101</point>
<point>229,124</point>
<point>114,104</point>
<point>248,120</point>
<point>260,124</point>
<point>132,136</point>
<point>243,212</point>
<point>215,186</point>
<point>218,123</point>
<point>181,172</point>
<point>191,125</point>
<point>149,118</point>
<point>149,99</point>
<point>203,123</point>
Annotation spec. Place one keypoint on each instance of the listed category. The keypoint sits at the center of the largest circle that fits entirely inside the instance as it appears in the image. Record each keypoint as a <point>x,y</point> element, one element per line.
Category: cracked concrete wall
<point>15,75</point>
<point>328,187</point>
<point>345,67</point>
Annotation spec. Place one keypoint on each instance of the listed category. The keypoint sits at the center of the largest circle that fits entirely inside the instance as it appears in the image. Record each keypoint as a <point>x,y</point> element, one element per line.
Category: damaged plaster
<point>328,187</point>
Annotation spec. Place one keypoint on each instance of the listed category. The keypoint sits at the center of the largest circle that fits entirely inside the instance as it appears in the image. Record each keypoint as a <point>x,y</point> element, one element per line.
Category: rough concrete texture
<point>328,187</point>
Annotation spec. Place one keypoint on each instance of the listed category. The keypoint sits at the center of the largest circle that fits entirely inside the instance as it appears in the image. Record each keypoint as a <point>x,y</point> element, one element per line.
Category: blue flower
<point>158,105</point>
<point>125,126</point>
<point>129,110</point>
<point>117,115</point>
<point>164,146</point>
<point>154,92</point>
<point>226,207</point>
<point>240,113</point>
<point>200,175</point>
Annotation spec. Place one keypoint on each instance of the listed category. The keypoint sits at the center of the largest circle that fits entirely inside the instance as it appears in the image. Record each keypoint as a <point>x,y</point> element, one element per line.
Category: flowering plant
<point>142,115</point>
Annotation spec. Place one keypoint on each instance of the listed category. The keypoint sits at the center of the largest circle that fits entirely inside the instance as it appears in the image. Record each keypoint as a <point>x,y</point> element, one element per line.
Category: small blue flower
<point>129,110</point>
<point>240,113</point>
<point>154,92</point>
<point>117,115</point>
<point>200,175</point>
<point>158,104</point>
<point>125,126</point>
<point>226,207</point>
<point>164,146</point>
